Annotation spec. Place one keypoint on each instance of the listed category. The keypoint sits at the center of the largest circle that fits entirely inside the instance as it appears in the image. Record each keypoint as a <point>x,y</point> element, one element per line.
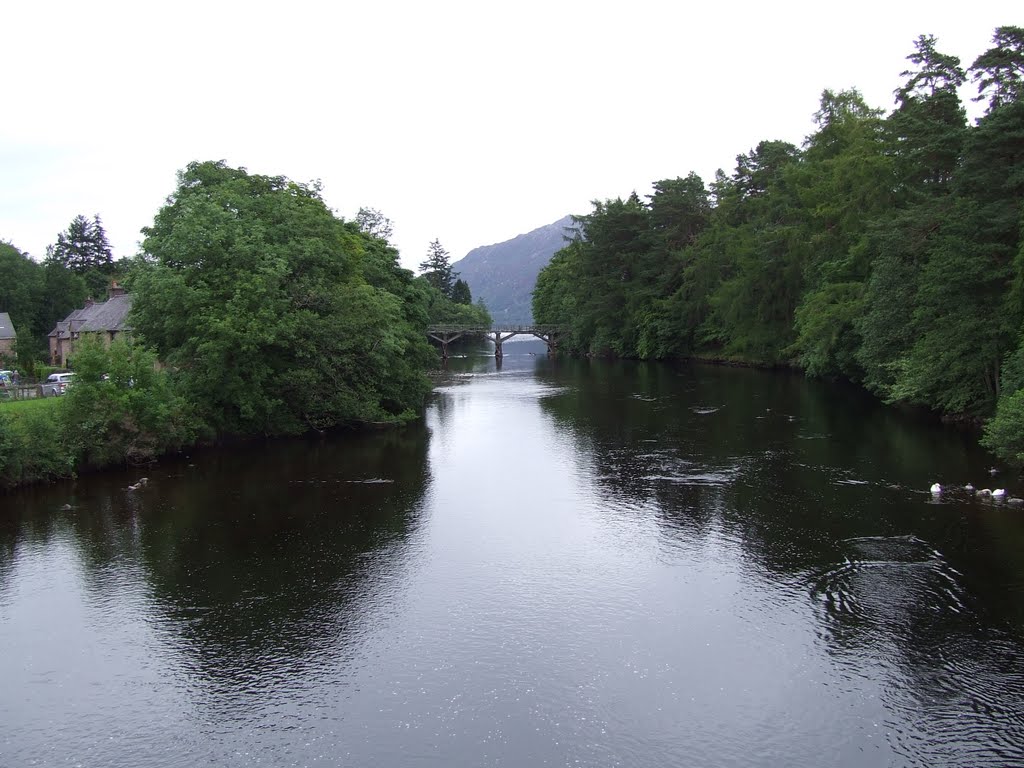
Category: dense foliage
<point>83,246</point>
<point>886,250</point>
<point>33,447</point>
<point>36,296</point>
<point>121,408</point>
<point>275,315</point>
<point>451,301</point>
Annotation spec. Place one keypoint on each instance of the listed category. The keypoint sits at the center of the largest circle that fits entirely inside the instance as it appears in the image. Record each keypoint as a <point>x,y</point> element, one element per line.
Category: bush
<point>1004,433</point>
<point>33,446</point>
<point>121,409</point>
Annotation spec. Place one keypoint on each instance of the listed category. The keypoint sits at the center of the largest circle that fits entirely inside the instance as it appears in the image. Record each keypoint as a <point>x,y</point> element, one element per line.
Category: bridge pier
<point>444,338</point>
<point>498,338</point>
<point>550,338</point>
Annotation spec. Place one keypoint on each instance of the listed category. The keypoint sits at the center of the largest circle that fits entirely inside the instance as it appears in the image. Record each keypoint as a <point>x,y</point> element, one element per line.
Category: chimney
<point>114,290</point>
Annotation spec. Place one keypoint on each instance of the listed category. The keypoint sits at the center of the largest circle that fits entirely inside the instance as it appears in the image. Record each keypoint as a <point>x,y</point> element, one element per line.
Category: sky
<point>465,122</point>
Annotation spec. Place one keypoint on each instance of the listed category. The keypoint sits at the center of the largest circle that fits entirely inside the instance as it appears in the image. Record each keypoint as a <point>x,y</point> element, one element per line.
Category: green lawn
<point>20,406</point>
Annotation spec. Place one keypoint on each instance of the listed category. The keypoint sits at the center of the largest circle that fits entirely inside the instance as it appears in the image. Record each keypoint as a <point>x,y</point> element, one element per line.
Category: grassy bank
<point>120,410</point>
<point>23,406</point>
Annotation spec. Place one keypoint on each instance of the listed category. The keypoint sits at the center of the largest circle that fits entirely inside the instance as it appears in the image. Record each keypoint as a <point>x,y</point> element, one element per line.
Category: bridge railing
<point>455,328</point>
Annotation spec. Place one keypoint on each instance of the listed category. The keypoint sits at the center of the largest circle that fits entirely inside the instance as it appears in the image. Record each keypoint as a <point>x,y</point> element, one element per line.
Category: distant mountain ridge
<point>504,274</point>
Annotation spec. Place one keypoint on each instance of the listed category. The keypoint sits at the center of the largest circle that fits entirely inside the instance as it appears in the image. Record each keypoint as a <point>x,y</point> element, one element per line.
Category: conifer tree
<point>83,246</point>
<point>461,293</point>
<point>437,269</point>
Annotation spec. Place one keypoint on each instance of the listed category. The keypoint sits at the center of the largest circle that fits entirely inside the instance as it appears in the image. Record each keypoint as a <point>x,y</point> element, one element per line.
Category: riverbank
<point>37,446</point>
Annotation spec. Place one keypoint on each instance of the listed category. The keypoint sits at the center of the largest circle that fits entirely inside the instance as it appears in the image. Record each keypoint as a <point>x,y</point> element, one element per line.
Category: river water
<point>568,563</point>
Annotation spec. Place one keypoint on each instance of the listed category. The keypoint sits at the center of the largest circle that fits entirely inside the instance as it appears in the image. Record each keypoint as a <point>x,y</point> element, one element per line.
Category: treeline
<point>79,265</point>
<point>885,250</point>
<point>256,311</point>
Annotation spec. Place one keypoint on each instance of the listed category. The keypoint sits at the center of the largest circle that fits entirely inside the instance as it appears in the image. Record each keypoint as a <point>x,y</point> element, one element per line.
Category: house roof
<point>6,327</point>
<point>109,315</point>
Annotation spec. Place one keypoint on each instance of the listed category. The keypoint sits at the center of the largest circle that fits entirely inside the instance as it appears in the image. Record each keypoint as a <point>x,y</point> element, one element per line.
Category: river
<point>568,563</point>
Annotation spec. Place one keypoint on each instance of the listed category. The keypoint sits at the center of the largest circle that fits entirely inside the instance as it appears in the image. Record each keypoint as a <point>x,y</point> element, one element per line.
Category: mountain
<point>503,275</point>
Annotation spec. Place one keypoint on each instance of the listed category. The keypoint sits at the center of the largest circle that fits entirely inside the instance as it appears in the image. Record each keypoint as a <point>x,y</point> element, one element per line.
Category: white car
<point>56,384</point>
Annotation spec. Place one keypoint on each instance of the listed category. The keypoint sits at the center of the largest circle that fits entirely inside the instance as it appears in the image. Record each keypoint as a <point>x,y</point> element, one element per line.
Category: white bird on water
<point>998,493</point>
<point>936,488</point>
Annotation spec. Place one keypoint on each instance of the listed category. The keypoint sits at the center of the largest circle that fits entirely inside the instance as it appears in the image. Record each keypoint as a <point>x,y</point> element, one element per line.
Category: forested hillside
<point>503,275</point>
<point>886,249</point>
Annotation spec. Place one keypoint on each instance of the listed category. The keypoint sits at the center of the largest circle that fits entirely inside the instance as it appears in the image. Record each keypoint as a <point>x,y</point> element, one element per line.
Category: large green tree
<point>256,294</point>
<point>928,127</point>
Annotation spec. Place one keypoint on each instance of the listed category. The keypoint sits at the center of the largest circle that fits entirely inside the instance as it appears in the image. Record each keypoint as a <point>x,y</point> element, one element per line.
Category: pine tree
<point>999,71</point>
<point>83,247</point>
<point>437,269</point>
<point>461,293</point>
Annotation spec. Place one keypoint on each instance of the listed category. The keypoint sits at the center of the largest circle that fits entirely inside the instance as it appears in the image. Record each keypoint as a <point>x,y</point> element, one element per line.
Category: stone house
<point>108,319</point>
<point>8,337</point>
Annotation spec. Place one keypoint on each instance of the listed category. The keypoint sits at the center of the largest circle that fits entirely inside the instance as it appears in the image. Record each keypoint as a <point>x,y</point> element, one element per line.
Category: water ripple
<point>954,693</point>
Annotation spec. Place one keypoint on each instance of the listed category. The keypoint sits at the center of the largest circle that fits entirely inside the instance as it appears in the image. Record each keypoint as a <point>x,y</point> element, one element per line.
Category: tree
<point>448,300</point>
<point>934,73</point>
<point>844,183</point>
<point>461,293</point>
<point>254,292</point>
<point>63,291</point>
<point>616,274</point>
<point>744,277</point>
<point>999,71</point>
<point>929,125</point>
<point>21,292</point>
<point>36,296</point>
<point>899,246</point>
<point>374,223</point>
<point>679,211</point>
<point>437,269</point>
<point>83,246</point>
<point>122,409</point>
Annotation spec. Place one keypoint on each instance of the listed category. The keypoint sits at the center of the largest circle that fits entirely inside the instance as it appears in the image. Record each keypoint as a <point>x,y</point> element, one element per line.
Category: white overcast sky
<point>470,122</point>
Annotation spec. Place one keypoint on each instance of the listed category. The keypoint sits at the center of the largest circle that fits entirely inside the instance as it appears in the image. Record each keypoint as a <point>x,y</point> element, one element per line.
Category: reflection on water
<point>569,563</point>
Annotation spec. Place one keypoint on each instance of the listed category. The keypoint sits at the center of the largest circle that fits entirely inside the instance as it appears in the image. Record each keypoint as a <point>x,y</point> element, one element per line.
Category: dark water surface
<point>569,563</point>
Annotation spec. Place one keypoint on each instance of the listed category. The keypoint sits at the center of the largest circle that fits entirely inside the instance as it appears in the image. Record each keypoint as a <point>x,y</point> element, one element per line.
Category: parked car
<point>56,384</point>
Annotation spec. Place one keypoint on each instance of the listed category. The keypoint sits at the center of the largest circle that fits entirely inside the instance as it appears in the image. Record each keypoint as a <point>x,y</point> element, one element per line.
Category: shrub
<point>121,409</point>
<point>1004,433</point>
<point>33,446</point>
